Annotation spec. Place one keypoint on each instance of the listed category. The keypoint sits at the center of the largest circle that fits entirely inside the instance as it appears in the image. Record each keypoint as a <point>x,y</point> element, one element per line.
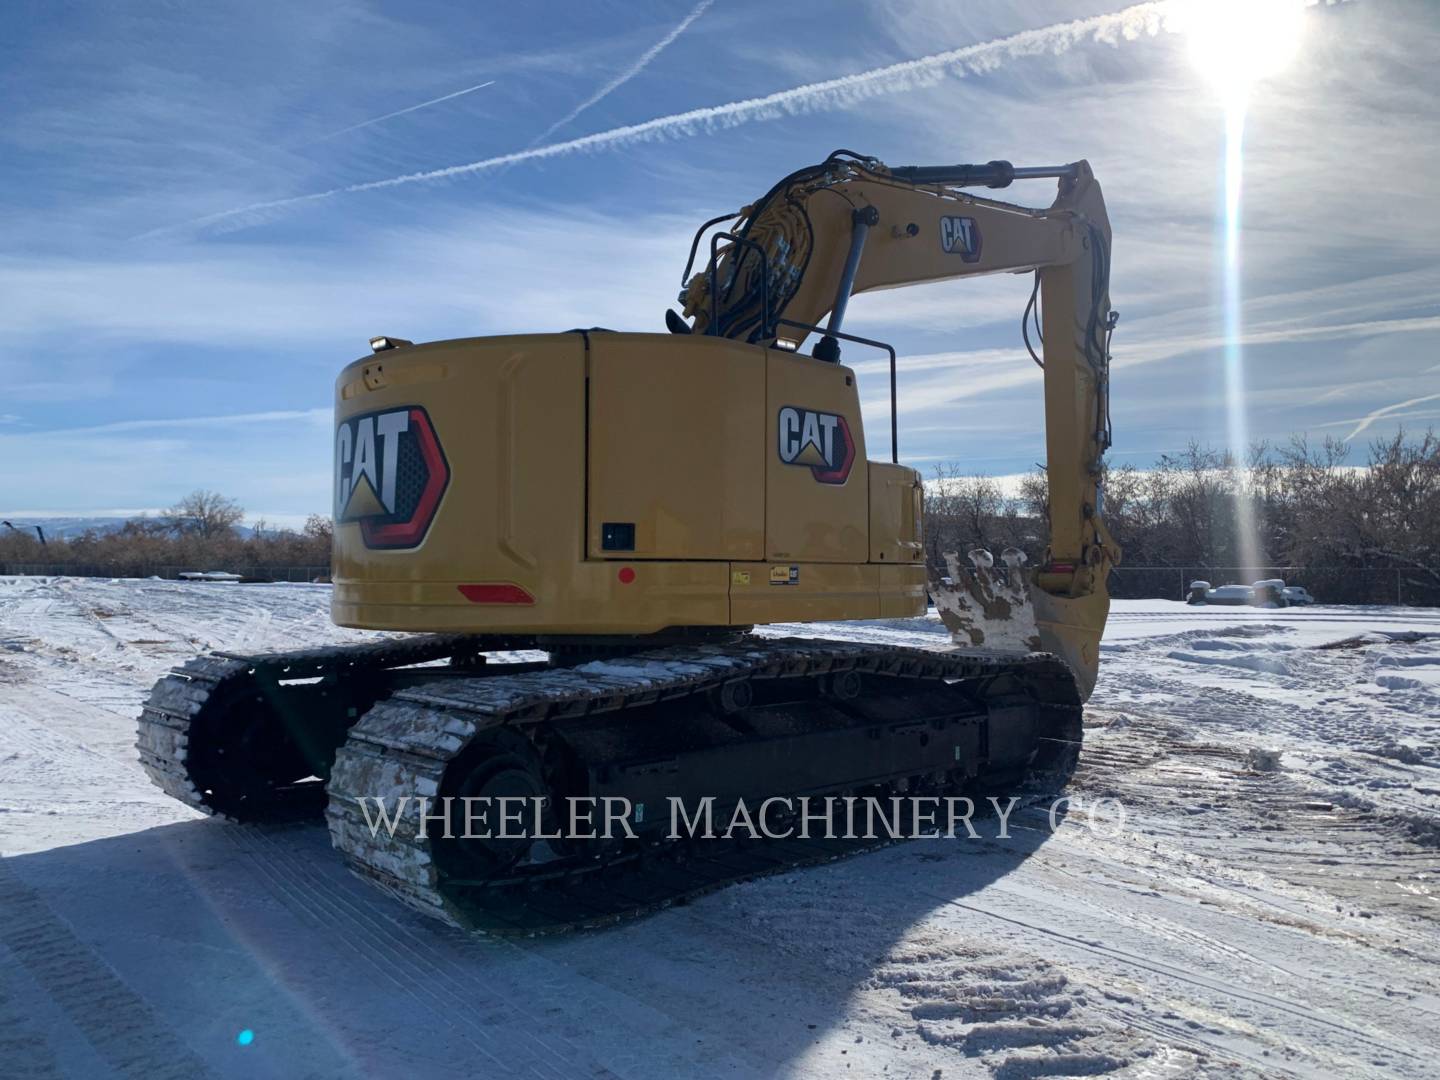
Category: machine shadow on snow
<point>175,939</point>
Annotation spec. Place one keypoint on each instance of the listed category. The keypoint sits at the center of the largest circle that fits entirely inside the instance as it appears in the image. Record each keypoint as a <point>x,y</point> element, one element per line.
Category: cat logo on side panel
<point>819,440</point>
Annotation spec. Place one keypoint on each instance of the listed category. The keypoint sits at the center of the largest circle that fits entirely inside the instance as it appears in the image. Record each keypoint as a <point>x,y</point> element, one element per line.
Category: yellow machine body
<point>617,484</point>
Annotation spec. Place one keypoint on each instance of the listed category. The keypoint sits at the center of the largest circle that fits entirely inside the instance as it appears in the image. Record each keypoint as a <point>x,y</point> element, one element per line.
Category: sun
<point>1236,43</point>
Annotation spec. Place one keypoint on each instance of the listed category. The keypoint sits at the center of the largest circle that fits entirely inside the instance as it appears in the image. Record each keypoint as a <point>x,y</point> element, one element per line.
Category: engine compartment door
<point>677,448</point>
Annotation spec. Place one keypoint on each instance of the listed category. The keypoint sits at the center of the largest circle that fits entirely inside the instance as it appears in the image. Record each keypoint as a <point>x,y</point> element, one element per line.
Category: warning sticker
<point>784,575</point>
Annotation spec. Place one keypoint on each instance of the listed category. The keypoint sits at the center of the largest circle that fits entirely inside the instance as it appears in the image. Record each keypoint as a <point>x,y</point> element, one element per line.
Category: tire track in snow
<point>988,1002</point>
<point>116,1021</point>
<point>1282,876</point>
<point>1346,732</point>
<point>360,938</point>
<point>423,968</point>
<point>452,958</point>
<point>1213,985</point>
<point>26,1053</point>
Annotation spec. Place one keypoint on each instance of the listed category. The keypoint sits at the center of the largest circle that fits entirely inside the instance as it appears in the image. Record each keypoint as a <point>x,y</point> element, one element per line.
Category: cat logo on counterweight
<point>390,473</point>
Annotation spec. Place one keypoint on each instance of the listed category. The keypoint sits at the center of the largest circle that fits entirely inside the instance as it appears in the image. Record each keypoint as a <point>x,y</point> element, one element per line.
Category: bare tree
<point>967,510</point>
<point>1035,495</point>
<point>206,514</point>
<point>319,527</point>
<point>1364,532</point>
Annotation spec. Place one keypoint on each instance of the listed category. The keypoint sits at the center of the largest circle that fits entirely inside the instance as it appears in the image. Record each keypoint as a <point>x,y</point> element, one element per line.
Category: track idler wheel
<point>501,773</point>
<point>841,685</point>
<point>1058,753</point>
<point>246,761</point>
<point>734,696</point>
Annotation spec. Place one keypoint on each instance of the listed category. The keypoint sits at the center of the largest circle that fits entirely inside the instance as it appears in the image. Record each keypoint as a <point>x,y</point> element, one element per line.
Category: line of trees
<point>200,532</point>
<point>1367,531</point>
<point>1311,506</point>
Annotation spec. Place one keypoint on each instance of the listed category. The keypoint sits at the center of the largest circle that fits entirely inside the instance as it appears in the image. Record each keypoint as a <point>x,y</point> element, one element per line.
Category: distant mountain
<point>65,527</point>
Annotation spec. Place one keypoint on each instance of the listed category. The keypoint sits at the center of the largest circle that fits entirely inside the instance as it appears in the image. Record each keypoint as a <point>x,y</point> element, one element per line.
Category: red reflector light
<point>503,593</point>
<point>1062,568</point>
<point>626,576</point>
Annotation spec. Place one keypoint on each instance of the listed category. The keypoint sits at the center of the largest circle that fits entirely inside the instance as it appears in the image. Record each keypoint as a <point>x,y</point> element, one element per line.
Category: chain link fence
<point>1418,587</point>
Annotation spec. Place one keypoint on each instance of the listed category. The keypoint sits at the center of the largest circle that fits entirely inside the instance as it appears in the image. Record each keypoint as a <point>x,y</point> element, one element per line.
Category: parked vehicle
<point>1269,593</point>
<point>1202,592</point>
<point>1232,595</point>
<point>1272,592</point>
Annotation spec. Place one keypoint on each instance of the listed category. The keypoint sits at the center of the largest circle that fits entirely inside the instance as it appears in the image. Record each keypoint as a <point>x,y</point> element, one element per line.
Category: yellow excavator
<point>581,531</point>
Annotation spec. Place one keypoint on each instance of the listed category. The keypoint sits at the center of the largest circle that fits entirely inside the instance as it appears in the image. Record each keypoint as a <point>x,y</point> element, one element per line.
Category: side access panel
<point>902,591</point>
<point>895,510</point>
<point>677,448</point>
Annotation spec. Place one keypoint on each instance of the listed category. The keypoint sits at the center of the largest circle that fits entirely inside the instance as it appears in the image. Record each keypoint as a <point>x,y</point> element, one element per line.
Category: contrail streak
<point>1380,414</point>
<point>402,112</point>
<point>1144,19</point>
<point>629,73</point>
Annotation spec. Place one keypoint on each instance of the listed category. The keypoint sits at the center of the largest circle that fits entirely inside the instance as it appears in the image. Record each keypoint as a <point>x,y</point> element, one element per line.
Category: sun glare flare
<point>1236,43</point>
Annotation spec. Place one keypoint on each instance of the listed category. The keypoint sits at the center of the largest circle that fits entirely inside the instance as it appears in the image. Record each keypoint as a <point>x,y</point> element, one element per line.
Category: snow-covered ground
<point>1242,922</point>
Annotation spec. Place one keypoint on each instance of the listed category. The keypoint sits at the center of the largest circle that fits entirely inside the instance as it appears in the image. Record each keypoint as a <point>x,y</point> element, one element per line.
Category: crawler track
<point>284,736</point>
<point>202,721</point>
<point>408,744</point>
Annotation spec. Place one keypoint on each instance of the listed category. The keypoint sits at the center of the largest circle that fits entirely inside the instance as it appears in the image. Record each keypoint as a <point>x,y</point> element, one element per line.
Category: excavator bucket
<point>1001,612</point>
<point>985,609</point>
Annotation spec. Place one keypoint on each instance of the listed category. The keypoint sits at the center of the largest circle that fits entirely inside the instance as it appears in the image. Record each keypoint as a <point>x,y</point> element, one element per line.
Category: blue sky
<point>152,347</point>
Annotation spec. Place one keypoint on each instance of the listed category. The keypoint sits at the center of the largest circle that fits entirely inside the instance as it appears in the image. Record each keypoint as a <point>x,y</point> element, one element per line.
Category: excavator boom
<point>850,225</point>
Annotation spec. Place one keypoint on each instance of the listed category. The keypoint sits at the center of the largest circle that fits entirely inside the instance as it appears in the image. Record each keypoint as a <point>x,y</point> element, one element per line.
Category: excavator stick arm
<point>851,225</point>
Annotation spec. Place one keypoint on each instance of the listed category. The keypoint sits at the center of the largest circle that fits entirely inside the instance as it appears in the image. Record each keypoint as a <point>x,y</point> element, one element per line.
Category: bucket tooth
<point>986,609</point>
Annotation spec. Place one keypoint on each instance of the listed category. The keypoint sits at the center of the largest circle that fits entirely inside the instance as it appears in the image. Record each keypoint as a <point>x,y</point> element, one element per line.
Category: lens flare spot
<point>245,1038</point>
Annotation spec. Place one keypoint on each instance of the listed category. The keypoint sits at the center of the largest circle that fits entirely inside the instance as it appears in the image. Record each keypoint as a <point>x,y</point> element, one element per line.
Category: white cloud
<point>406,111</point>
<point>493,270</point>
<point>1338,238</point>
<point>1148,18</point>
<point>1364,423</point>
<point>81,469</point>
<point>303,416</point>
